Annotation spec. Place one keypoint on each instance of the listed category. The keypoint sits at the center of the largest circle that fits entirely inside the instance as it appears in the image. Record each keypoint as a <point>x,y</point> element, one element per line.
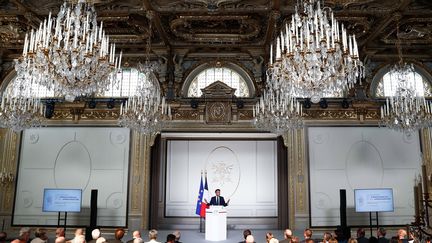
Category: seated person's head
<point>177,235</point>
<point>246,232</point>
<point>119,233</point>
<point>307,233</point>
<point>250,239</point>
<point>40,233</point>
<point>3,236</point>
<point>60,232</point>
<point>95,234</point>
<point>24,233</point>
<point>361,232</point>
<point>170,238</point>
<point>153,234</point>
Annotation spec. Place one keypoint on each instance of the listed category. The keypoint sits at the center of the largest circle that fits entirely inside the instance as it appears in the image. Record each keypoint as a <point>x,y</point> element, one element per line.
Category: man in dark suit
<point>218,200</point>
<point>381,233</point>
<point>361,236</point>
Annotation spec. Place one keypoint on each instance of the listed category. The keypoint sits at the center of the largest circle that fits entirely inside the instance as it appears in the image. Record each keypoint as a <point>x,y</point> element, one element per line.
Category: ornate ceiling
<point>189,32</point>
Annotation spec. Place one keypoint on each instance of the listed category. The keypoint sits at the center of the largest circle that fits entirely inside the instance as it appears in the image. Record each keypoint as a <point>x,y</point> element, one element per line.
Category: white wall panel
<point>79,158</point>
<point>245,171</point>
<point>362,157</point>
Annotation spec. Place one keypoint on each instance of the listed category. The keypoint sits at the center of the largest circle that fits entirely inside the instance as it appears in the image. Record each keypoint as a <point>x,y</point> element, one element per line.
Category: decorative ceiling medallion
<point>215,28</point>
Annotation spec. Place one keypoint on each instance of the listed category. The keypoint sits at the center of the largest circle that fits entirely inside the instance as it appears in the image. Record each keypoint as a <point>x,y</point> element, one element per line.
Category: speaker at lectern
<point>216,223</point>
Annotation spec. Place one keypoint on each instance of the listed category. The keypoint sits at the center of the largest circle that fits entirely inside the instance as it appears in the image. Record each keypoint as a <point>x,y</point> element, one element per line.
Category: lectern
<point>216,224</point>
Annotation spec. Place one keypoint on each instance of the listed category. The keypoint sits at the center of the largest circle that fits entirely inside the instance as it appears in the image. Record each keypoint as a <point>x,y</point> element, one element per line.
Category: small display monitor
<point>62,200</point>
<point>374,200</point>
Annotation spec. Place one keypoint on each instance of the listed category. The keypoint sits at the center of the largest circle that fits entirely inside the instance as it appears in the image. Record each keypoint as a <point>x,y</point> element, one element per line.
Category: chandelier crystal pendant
<point>146,111</point>
<point>315,53</point>
<point>405,110</point>
<point>277,110</point>
<point>69,54</point>
<point>19,110</point>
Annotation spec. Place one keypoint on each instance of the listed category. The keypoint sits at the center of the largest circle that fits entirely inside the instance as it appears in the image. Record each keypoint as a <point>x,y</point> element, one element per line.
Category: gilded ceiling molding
<point>215,28</point>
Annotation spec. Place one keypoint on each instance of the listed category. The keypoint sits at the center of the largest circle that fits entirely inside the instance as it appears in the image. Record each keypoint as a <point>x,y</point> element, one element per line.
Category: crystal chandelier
<point>405,110</point>
<point>146,111</point>
<point>19,110</point>
<point>315,54</point>
<point>69,54</point>
<point>277,110</point>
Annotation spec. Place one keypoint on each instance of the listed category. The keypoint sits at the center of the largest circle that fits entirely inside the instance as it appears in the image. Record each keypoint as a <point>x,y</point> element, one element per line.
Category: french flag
<point>200,198</point>
<point>205,198</point>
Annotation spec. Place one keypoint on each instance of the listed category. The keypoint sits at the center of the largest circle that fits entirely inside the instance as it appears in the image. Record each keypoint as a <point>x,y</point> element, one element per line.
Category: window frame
<point>234,67</point>
<point>378,78</point>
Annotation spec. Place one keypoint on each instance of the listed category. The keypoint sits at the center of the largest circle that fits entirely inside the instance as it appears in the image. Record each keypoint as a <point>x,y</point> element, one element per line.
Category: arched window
<point>127,85</point>
<point>385,84</point>
<point>226,75</point>
<point>34,90</point>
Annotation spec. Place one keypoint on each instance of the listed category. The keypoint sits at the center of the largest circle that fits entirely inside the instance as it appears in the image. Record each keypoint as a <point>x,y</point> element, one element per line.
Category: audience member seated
<point>40,236</point>
<point>24,236</point>
<point>78,236</point>
<point>295,239</point>
<point>101,240</point>
<point>138,240</point>
<point>249,239</point>
<point>79,239</point>
<point>246,232</point>
<point>342,234</point>
<point>326,237</point>
<point>333,240</point>
<point>307,234</point>
<point>118,235</point>
<point>60,232</point>
<point>135,235</point>
<point>287,236</point>
<point>95,235</point>
<point>352,240</point>
<point>3,237</point>
<point>177,235</point>
<point>270,238</point>
<point>373,239</point>
<point>170,238</point>
<point>361,236</point>
<point>381,233</point>
<point>153,236</point>
<point>395,239</point>
<point>60,239</point>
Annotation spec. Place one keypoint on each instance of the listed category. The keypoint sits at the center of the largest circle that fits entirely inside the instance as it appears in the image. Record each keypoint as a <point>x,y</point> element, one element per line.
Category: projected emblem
<point>223,171</point>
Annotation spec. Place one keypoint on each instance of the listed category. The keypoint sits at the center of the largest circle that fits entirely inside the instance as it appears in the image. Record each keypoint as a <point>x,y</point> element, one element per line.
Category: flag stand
<point>201,225</point>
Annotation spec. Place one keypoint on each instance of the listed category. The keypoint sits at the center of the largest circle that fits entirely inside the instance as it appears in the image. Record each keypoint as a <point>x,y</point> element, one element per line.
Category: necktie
<point>217,200</point>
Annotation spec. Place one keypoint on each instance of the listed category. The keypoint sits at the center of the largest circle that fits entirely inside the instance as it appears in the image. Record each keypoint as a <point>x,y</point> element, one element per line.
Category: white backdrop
<point>75,158</point>
<point>245,171</point>
<point>355,158</point>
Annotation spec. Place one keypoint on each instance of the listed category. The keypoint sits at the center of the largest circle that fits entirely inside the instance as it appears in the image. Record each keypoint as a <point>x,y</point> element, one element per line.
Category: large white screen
<point>245,171</point>
<point>73,158</point>
<point>361,157</point>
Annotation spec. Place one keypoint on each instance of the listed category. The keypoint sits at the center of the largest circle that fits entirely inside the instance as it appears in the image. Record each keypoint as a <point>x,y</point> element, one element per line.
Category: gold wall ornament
<point>9,142</point>
<point>218,112</point>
